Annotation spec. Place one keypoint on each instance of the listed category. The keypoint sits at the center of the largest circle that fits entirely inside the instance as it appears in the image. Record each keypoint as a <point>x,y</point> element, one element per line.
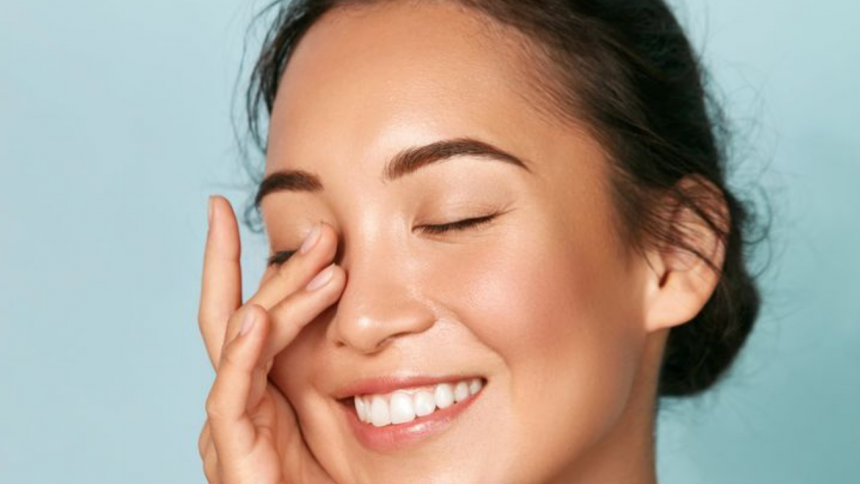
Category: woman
<point>500,233</point>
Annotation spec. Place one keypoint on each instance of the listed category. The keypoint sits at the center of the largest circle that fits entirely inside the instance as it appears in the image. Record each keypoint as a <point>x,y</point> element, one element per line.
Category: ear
<point>679,283</point>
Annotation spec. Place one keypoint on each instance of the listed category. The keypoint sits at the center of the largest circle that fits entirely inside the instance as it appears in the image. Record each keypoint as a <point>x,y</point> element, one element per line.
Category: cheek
<point>291,371</point>
<point>538,301</point>
<point>560,317</point>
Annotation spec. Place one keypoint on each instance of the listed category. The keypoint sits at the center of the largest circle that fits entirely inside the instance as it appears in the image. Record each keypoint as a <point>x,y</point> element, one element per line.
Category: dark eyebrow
<point>405,162</point>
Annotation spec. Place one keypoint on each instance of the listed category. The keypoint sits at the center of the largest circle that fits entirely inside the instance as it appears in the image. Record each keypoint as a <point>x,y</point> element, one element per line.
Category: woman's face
<point>539,303</point>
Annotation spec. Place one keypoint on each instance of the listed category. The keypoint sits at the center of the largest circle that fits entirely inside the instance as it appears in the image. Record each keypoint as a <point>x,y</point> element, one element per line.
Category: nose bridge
<point>381,300</point>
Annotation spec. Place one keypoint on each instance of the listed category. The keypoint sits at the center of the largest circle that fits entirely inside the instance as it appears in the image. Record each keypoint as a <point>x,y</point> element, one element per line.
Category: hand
<point>251,435</point>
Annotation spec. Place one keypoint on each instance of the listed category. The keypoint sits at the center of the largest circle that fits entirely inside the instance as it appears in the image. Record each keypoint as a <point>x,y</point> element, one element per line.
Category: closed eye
<point>458,225</point>
<point>281,257</point>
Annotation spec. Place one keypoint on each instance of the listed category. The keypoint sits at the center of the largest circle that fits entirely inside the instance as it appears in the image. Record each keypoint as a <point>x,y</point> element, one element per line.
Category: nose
<point>381,302</point>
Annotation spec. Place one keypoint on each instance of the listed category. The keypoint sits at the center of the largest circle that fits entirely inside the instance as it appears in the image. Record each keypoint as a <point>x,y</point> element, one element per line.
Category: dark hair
<point>626,70</point>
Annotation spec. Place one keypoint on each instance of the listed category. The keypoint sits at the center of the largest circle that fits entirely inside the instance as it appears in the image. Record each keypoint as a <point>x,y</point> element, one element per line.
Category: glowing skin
<point>543,303</point>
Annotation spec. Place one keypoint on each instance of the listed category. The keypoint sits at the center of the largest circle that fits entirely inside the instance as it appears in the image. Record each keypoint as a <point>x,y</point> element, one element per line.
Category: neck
<point>626,455</point>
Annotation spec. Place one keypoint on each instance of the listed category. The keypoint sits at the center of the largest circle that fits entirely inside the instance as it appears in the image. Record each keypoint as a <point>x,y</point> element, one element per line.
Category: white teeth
<point>424,404</point>
<point>379,415</point>
<point>405,406</point>
<point>444,395</point>
<point>401,408</point>
<point>461,391</point>
<point>475,385</point>
<point>361,409</point>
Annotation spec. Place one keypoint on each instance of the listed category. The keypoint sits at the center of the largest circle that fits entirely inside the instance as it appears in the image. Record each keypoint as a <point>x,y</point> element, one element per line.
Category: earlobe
<point>679,282</point>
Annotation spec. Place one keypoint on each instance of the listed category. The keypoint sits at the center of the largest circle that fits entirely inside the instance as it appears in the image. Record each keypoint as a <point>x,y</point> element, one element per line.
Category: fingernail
<point>311,239</point>
<point>321,279</point>
<point>248,323</point>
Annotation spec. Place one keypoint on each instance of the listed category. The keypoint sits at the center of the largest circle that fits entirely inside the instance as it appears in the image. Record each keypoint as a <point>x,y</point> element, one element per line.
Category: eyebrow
<point>403,163</point>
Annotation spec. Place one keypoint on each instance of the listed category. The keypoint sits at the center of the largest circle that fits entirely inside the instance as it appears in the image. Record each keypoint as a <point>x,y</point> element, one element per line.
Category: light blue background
<point>115,125</point>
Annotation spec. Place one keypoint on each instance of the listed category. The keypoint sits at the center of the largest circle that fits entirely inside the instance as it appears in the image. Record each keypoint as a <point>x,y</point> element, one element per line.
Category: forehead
<point>372,80</point>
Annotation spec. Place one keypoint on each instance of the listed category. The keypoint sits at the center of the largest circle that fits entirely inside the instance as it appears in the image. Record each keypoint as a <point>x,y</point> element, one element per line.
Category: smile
<point>407,404</point>
<point>390,413</point>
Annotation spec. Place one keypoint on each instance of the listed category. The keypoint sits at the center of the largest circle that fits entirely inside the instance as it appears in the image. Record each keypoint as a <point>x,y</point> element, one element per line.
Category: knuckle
<point>202,319</point>
<point>203,441</point>
<point>214,409</point>
<point>285,309</point>
<point>207,315</point>
<point>229,359</point>
<point>210,469</point>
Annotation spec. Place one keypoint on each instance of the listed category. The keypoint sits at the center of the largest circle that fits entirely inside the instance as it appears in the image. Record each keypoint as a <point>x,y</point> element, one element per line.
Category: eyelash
<point>458,225</point>
<point>281,257</point>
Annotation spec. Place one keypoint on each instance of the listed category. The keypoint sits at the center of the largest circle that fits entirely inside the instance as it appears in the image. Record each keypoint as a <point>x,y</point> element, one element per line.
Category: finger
<point>232,430</point>
<point>210,465</point>
<point>208,455</point>
<point>289,317</point>
<point>298,270</point>
<point>204,440</point>
<point>293,313</point>
<point>293,275</point>
<point>221,292</point>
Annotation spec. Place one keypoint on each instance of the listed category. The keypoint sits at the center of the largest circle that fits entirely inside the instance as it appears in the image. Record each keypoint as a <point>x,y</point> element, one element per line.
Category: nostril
<point>375,308</point>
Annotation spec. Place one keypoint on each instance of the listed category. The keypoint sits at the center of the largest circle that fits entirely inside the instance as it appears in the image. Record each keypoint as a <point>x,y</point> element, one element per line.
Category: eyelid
<point>459,225</point>
<point>282,256</point>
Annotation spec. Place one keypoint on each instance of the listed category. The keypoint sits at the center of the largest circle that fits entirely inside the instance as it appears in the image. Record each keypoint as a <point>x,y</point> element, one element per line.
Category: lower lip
<point>395,437</point>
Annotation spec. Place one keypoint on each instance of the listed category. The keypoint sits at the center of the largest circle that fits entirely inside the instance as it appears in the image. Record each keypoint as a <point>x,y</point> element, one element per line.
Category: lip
<point>394,437</point>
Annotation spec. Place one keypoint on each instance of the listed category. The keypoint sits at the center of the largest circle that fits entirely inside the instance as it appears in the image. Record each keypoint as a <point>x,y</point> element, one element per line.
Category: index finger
<point>221,292</point>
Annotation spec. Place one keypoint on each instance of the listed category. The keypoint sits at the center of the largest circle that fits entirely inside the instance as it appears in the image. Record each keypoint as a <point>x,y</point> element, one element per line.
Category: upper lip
<point>388,384</point>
